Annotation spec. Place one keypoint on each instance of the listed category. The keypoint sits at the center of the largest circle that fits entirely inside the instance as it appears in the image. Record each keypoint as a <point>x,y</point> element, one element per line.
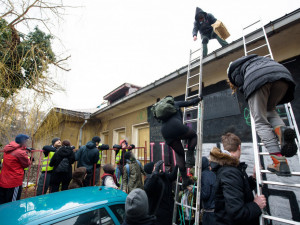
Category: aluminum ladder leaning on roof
<point>193,89</point>
<point>251,37</point>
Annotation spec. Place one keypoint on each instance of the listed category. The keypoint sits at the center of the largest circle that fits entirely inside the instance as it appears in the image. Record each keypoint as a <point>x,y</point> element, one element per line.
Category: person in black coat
<point>62,167</point>
<point>87,156</point>
<point>173,131</point>
<point>208,180</point>
<point>202,23</point>
<point>158,186</point>
<point>265,84</point>
<point>234,200</point>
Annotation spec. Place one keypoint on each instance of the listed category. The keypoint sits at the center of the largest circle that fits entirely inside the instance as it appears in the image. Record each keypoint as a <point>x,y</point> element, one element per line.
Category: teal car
<point>88,205</point>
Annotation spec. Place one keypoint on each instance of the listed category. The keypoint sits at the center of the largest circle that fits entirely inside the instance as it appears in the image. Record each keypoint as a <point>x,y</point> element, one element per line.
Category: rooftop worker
<point>265,84</point>
<point>234,200</point>
<point>87,156</point>
<point>202,23</point>
<point>15,159</point>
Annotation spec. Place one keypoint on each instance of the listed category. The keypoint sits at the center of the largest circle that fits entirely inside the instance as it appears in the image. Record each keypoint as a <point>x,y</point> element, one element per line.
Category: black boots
<point>190,159</point>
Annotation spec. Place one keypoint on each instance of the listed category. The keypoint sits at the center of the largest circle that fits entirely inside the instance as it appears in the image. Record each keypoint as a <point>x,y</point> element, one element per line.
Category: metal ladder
<point>252,38</point>
<point>194,85</point>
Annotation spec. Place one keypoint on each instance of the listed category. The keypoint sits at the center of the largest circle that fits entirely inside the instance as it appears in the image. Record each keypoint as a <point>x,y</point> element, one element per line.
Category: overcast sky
<point>112,42</point>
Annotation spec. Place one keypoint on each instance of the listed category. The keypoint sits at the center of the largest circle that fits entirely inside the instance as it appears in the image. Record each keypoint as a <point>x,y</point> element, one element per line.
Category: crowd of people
<point>226,189</point>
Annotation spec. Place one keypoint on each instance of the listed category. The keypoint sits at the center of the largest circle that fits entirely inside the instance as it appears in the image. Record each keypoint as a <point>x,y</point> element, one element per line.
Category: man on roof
<point>203,23</point>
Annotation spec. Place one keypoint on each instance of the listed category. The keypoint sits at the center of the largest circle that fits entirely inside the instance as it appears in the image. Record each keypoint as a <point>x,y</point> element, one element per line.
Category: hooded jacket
<point>15,159</point>
<point>173,128</point>
<point>87,156</point>
<point>63,152</point>
<point>204,27</point>
<point>234,203</point>
<point>251,72</point>
<point>208,188</point>
<point>134,180</point>
<point>137,210</point>
<point>161,203</point>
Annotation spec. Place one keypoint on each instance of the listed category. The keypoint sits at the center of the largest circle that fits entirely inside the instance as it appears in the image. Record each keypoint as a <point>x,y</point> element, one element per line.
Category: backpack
<point>63,166</point>
<point>128,171</point>
<point>164,109</point>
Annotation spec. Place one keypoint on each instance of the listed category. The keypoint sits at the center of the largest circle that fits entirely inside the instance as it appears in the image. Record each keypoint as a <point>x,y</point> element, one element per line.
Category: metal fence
<point>33,172</point>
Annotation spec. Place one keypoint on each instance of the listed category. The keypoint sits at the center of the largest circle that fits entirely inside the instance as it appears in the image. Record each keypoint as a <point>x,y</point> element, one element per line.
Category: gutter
<point>80,130</point>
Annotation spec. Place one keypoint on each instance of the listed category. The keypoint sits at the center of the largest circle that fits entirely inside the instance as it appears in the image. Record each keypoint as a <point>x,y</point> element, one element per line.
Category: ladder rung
<point>255,39</point>
<point>192,96</point>
<point>197,74</point>
<point>193,60</point>
<point>280,219</point>
<point>195,51</point>
<point>181,184</point>
<point>269,55</point>
<point>292,173</point>
<point>284,118</point>
<point>263,153</point>
<point>191,121</point>
<point>281,184</point>
<point>193,85</point>
<point>257,48</point>
<point>191,108</point>
<point>251,25</point>
<point>187,206</point>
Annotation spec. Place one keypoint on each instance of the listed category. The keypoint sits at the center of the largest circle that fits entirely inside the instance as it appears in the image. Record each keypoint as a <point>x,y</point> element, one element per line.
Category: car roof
<point>35,208</point>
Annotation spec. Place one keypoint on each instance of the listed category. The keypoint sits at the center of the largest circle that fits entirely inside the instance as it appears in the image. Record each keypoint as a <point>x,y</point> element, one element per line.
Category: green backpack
<point>164,109</point>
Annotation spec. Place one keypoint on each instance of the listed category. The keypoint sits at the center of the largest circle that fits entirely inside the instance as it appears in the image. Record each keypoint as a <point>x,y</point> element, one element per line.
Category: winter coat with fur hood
<point>249,73</point>
<point>234,198</point>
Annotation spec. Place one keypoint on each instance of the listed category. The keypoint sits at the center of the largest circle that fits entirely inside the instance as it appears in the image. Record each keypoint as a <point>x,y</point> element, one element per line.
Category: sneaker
<point>280,166</point>
<point>190,159</point>
<point>288,144</point>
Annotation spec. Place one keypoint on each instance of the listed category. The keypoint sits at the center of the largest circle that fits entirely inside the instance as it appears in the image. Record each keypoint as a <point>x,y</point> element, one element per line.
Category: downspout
<point>80,131</point>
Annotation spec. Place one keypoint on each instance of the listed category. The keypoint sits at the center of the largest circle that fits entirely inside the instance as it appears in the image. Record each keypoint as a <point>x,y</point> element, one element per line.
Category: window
<point>95,217</point>
<point>119,211</point>
<point>105,218</point>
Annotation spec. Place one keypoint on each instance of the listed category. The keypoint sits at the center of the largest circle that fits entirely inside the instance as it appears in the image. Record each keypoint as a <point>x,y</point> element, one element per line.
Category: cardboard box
<point>220,30</point>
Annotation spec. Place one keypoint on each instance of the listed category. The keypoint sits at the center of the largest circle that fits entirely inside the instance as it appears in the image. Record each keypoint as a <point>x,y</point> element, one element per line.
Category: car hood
<point>51,206</point>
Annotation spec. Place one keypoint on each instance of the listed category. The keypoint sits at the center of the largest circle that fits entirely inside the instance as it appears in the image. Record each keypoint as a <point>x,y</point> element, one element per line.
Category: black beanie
<point>96,139</point>
<point>55,140</point>
<point>148,168</point>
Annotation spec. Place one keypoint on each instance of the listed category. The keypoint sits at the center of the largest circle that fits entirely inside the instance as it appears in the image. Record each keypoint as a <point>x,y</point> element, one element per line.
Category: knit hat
<point>96,139</point>
<point>127,155</point>
<point>205,163</point>
<point>20,138</point>
<point>148,168</point>
<point>136,206</point>
<point>55,140</point>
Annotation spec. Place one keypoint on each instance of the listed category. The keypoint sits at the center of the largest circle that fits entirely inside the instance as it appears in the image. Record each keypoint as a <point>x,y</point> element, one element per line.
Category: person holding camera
<point>62,167</point>
<point>15,160</point>
<point>158,186</point>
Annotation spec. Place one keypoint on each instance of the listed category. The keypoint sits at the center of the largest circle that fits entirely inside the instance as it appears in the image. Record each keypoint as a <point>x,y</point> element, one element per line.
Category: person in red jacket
<point>15,159</point>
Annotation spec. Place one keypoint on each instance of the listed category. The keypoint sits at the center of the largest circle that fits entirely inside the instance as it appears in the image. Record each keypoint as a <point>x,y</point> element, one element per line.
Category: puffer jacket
<point>87,156</point>
<point>134,180</point>
<point>251,72</point>
<point>15,159</point>
<point>234,203</point>
<point>63,152</point>
<point>205,27</point>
